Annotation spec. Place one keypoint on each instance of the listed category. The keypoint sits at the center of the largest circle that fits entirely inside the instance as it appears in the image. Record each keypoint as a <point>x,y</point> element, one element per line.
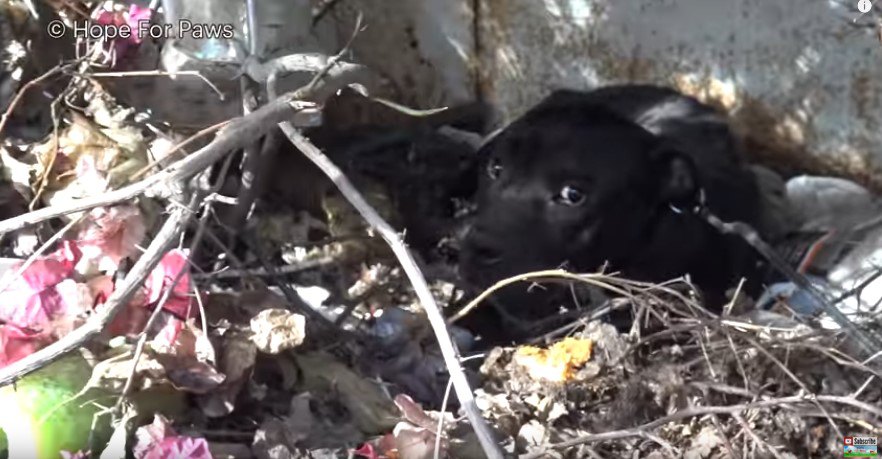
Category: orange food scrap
<point>557,363</point>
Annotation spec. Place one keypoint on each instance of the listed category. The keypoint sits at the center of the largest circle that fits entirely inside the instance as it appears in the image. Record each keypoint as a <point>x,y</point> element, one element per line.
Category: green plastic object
<point>39,416</point>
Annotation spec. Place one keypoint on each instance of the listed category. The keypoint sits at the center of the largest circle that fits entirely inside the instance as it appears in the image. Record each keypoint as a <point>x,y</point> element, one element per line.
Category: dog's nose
<point>483,248</point>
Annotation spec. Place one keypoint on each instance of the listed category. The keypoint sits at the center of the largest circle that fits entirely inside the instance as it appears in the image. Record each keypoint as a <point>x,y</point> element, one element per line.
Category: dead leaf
<point>236,362</point>
<point>532,434</point>
<point>414,442</point>
<point>367,451</point>
<point>183,338</point>
<point>277,330</point>
<point>85,161</point>
<point>703,444</point>
<point>301,429</point>
<point>20,172</point>
<point>270,442</point>
<point>190,375</point>
<point>31,300</point>
<point>238,357</point>
<point>113,372</point>
<point>239,307</point>
<point>371,409</point>
<point>300,419</point>
<point>84,179</point>
<point>414,413</point>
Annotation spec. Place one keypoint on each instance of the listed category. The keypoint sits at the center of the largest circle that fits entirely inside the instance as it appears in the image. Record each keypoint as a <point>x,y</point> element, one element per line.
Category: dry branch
<point>693,412</point>
<point>421,287</point>
<point>21,92</point>
<point>868,341</point>
<point>723,351</point>
<point>238,133</point>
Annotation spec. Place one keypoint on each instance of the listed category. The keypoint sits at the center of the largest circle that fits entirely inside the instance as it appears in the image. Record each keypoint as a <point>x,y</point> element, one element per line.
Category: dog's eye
<point>570,196</point>
<point>494,168</point>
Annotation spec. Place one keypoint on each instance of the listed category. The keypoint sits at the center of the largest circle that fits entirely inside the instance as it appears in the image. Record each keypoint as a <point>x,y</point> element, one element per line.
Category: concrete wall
<point>798,78</point>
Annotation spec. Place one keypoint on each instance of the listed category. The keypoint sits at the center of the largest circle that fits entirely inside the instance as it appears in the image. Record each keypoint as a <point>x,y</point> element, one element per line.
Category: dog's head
<point>569,185</point>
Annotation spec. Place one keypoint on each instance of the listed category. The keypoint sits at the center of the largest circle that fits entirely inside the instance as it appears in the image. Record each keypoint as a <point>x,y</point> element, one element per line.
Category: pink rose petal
<point>162,278</point>
<point>366,450</point>
<point>179,447</point>
<point>16,344</point>
<point>133,18</point>
<point>159,441</point>
<point>31,300</point>
<point>111,234</point>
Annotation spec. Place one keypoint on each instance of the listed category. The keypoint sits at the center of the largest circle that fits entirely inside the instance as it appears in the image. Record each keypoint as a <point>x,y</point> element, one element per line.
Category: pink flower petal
<point>31,300</point>
<point>159,441</point>
<point>135,15</point>
<point>366,450</point>
<point>110,234</point>
<point>162,278</point>
<point>125,46</point>
<point>167,337</point>
<point>106,17</point>
<point>16,344</point>
<point>180,447</point>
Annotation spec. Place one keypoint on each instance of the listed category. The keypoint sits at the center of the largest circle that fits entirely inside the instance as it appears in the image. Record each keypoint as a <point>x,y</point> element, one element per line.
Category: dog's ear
<point>678,181</point>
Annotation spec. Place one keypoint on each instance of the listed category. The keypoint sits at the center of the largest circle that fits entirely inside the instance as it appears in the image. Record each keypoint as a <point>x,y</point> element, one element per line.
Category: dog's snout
<point>486,253</point>
<point>482,247</point>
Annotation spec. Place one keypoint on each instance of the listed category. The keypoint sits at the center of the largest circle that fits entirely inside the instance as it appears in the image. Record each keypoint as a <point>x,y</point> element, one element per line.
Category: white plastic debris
<point>859,272</point>
<point>823,203</point>
<point>848,257</point>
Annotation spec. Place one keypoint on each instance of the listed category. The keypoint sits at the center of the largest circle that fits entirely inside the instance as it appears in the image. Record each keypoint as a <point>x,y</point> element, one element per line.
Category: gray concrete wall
<point>798,79</point>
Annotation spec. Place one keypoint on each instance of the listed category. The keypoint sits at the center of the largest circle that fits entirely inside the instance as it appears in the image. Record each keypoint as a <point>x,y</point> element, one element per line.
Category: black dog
<point>587,178</point>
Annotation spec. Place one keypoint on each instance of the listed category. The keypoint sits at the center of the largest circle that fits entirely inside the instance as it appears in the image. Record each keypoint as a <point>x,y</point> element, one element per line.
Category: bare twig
<point>43,180</point>
<point>142,73</point>
<point>759,441</point>
<point>672,452</point>
<point>683,414</point>
<point>21,92</point>
<point>857,393</point>
<point>179,147</point>
<point>43,248</point>
<point>592,279</point>
<point>239,132</point>
<point>726,442</point>
<point>300,62</point>
<point>448,348</point>
<point>858,289</point>
<point>440,429</point>
<point>170,289</point>
<point>324,71</point>
<point>793,377</point>
<point>714,337</point>
<point>281,270</point>
<point>324,9</point>
<point>869,342</point>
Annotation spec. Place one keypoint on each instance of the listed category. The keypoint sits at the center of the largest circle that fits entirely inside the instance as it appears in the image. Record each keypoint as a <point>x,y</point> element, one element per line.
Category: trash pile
<point>684,384</point>
<point>179,280</point>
